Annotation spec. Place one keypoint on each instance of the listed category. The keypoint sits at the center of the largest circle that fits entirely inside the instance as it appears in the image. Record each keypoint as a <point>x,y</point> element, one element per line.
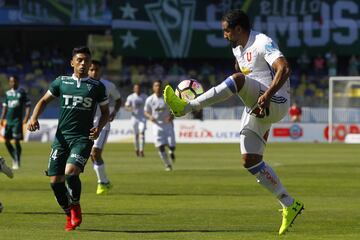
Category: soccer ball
<point>189,89</point>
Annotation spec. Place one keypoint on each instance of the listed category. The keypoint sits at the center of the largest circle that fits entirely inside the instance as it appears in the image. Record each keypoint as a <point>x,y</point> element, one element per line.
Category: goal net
<point>344,109</point>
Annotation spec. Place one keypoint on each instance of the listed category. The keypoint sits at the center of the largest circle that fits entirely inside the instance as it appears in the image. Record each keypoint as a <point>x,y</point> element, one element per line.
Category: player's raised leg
<point>216,94</point>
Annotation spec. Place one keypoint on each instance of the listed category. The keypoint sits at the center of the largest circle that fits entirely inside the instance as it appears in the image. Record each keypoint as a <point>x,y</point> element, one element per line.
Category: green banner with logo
<point>190,28</point>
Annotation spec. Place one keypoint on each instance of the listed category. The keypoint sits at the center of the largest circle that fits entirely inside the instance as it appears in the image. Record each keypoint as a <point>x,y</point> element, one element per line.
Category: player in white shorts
<point>158,113</point>
<point>135,104</point>
<point>263,86</point>
<point>96,151</point>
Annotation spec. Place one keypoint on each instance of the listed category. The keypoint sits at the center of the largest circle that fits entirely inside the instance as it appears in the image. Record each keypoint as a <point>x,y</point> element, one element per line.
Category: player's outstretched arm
<point>39,108</point>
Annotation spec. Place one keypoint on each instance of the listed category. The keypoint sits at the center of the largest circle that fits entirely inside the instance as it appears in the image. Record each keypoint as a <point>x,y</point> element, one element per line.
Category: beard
<point>233,44</point>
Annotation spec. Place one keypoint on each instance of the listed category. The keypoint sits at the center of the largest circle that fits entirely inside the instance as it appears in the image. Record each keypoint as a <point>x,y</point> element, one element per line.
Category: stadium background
<point>142,41</point>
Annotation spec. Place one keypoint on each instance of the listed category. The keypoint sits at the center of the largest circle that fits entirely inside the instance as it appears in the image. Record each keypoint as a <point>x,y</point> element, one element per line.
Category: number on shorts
<point>53,154</point>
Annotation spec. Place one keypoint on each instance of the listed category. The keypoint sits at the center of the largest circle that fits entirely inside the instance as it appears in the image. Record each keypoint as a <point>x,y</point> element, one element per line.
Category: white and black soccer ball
<point>189,89</point>
<point>1,207</point>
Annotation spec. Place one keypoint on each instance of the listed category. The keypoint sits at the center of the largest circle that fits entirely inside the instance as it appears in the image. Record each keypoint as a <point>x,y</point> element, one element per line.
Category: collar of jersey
<point>78,80</point>
<point>251,36</point>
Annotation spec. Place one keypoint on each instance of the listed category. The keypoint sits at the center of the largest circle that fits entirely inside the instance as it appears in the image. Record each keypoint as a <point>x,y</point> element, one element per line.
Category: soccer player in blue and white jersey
<point>135,104</point>
<point>95,72</point>
<point>262,82</point>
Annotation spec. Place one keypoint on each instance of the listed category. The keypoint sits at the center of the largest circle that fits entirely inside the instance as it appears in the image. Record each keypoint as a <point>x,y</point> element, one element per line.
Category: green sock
<point>18,152</point>
<point>10,149</point>
<point>74,185</point>
<point>62,195</point>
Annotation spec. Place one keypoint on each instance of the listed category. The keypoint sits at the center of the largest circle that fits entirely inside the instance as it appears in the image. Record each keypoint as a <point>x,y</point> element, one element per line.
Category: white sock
<point>164,158</point>
<point>141,142</point>
<point>266,176</point>
<point>136,143</point>
<point>216,94</point>
<point>100,173</point>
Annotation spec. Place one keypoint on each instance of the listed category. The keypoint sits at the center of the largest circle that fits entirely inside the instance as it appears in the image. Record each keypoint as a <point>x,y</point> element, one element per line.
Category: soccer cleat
<point>103,188</point>
<point>289,215</point>
<point>68,225</point>
<point>142,154</point>
<point>168,168</point>
<point>76,216</point>
<point>5,169</point>
<point>172,156</point>
<point>137,153</point>
<point>176,104</point>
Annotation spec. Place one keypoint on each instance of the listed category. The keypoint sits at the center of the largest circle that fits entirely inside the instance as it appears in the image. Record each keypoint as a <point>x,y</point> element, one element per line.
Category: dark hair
<point>237,17</point>
<point>156,81</point>
<point>15,77</point>
<point>81,49</point>
<point>96,62</point>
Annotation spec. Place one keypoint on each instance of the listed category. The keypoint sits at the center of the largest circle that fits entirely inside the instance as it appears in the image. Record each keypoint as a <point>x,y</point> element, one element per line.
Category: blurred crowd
<point>38,67</point>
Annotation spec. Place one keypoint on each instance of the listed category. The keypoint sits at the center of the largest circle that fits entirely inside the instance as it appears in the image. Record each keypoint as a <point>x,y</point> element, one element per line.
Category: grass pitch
<point>208,196</point>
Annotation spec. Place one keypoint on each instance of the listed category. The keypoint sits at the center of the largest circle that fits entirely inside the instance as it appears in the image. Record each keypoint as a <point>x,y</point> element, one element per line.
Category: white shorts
<point>102,139</point>
<point>164,134</point>
<point>279,106</point>
<point>139,126</point>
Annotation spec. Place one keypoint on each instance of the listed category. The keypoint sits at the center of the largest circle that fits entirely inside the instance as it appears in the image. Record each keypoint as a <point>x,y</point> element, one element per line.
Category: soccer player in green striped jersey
<point>79,96</point>
<point>15,102</point>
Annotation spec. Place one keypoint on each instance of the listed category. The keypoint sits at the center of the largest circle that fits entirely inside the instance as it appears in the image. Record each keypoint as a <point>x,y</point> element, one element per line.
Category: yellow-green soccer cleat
<point>289,215</point>
<point>176,104</point>
<point>103,189</point>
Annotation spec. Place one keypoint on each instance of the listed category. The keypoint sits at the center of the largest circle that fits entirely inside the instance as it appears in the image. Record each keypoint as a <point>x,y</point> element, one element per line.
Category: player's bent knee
<point>57,179</point>
<point>239,79</point>
<point>162,148</point>
<point>250,160</point>
<point>72,169</point>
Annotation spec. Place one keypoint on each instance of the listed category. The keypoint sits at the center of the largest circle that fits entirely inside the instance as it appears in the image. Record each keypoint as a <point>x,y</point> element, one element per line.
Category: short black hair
<point>237,17</point>
<point>81,49</point>
<point>96,62</point>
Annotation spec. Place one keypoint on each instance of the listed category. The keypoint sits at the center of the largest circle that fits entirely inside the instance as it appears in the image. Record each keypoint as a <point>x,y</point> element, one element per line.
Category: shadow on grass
<point>88,213</point>
<point>183,194</point>
<point>173,231</point>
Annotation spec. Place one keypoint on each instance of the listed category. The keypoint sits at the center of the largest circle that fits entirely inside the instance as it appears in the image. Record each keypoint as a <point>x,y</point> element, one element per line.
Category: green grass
<point>208,196</point>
